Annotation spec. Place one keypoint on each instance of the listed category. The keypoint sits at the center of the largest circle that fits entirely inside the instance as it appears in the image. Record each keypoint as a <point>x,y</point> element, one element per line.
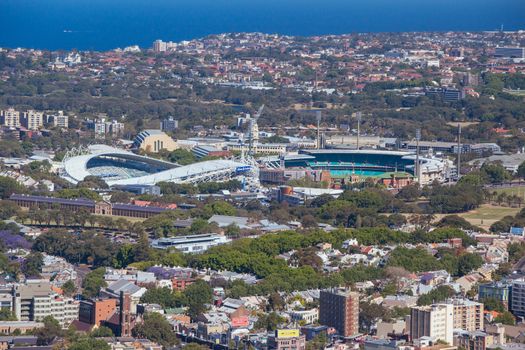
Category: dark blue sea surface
<point>107,24</point>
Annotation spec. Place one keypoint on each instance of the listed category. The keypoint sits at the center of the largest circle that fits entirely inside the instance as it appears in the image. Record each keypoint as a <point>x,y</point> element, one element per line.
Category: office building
<point>468,314</point>
<point>287,339</point>
<point>32,120</point>
<point>510,52</point>
<point>517,303</point>
<point>169,124</point>
<point>500,291</point>
<point>153,141</point>
<point>339,308</point>
<point>435,321</point>
<point>10,118</point>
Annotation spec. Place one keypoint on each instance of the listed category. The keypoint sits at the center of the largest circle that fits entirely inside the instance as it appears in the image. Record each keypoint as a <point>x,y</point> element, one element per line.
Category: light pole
<point>459,151</point>
<point>318,118</point>
<point>359,116</point>
<point>418,137</point>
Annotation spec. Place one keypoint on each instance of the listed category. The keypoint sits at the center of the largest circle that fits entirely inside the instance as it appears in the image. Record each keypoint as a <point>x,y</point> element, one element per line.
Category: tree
<point>93,282</point>
<point>69,288</point>
<point>436,295</point>
<point>269,322</point>
<point>521,171</point>
<point>86,343</point>
<point>275,302</point>
<point>506,318</point>
<point>102,332</point>
<point>9,186</point>
<point>468,262</point>
<point>493,304</point>
<point>409,193</point>
<point>156,328</point>
<point>369,313</point>
<point>7,315</point>
<point>195,346</point>
<point>197,295</point>
<point>49,332</point>
<point>162,296</point>
<point>8,210</point>
<point>495,172</point>
<point>232,230</point>
<point>32,265</point>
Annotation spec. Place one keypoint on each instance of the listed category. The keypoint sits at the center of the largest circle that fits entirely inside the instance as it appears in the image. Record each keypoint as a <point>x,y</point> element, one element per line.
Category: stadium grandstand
<point>364,163</point>
<point>120,167</point>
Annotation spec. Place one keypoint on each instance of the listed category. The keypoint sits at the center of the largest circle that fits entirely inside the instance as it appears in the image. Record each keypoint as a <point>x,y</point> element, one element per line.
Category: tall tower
<point>359,116</point>
<point>459,151</point>
<point>318,118</point>
<point>125,321</point>
<point>417,165</point>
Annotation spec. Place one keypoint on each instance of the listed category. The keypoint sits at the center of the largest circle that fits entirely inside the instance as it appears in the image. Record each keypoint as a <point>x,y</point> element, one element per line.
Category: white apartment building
<point>32,120</point>
<point>64,310</point>
<point>307,316</point>
<point>436,321</point>
<point>34,300</point>
<point>58,120</point>
<point>10,118</point>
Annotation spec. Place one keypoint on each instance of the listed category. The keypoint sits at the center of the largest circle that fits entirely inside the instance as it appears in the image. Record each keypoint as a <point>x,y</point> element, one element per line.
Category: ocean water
<point>107,24</point>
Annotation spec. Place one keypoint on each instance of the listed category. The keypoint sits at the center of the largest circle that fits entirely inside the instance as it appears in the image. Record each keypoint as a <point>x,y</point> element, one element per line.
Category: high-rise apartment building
<point>10,118</point>
<point>339,308</point>
<point>159,46</point>
<point>518,297</point>
<point>169,124</point>
<point>58,120</point>
<point>32,120</point>
<point>436,321</point>
<point>468,314</point>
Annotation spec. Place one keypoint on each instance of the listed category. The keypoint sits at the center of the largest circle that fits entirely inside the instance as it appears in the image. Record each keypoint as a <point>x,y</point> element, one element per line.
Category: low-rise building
<point>190,244</point>
<point>287,339</point>
<point>153,141</point>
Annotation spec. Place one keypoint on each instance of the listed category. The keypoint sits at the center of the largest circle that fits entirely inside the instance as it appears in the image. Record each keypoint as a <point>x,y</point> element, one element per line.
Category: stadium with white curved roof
<point>119,167</point>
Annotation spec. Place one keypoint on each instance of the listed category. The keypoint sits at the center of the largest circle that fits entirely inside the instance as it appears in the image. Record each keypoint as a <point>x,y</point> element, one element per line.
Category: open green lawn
<point>488,214</point>
<point>518,191</point>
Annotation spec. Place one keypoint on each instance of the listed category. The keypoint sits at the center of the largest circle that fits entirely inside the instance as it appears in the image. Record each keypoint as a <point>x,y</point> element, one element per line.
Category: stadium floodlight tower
<point>418,172</point>
<point>459,151</point>
<point>318,117</point>
<point>359,116</point>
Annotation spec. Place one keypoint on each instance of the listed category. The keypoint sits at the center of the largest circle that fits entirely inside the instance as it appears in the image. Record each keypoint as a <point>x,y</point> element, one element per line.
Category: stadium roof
<point>76,168</point>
